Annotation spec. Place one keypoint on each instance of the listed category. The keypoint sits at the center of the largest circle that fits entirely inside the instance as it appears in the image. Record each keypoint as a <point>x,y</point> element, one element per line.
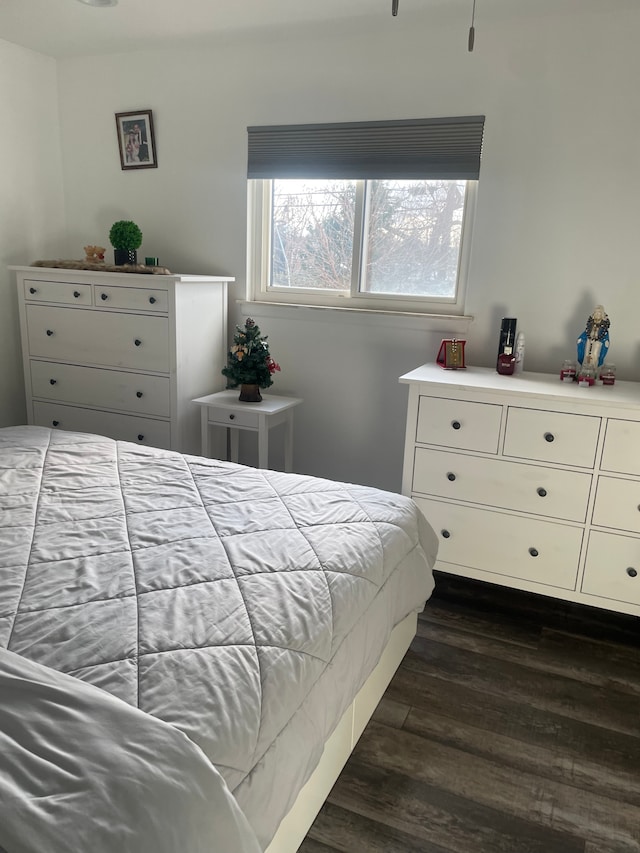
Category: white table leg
<point>288,442</point>
<point>234,444</point>
<point>204,428</point>
<point>263,442</point>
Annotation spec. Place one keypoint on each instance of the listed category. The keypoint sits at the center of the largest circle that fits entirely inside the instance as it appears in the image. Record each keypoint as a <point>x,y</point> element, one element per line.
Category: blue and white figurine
<point>593,343</point>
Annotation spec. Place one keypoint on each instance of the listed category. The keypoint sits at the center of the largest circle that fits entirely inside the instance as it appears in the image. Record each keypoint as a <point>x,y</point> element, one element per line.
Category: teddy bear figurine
<point>94,254</point>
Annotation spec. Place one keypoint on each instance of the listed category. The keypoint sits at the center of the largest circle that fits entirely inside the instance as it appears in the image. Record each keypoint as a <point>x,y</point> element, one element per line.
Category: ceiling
<point>67,28</point>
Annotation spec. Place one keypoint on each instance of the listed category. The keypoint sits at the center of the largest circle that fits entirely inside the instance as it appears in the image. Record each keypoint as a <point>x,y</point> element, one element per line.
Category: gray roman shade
<point>447,148</point>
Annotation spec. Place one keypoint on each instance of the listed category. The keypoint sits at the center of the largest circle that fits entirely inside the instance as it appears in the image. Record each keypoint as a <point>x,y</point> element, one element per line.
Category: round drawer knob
<point>138,394</point>
<point>52,381</point>
<point>49,333</point>
<point>542,492</point>
<point>445,534</point>
<point>32,290</point>
<point>456,424</point>
<point>533,552</point>
<point>451,476</point>
<point>632,572</point>
<point>549,436</point>
<point>152,300</point>
<point>76,294</point>
<point>137,342</point>
<point>140,437</point>
<point>104,296</point>
<point>232,417</point>
<point>55,423</point>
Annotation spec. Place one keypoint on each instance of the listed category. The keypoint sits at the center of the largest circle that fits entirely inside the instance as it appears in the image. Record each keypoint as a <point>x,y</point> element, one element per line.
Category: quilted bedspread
<point>209,595</point>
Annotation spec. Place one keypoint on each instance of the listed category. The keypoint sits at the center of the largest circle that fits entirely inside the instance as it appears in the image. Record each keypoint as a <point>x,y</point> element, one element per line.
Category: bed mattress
<point>243,607</point>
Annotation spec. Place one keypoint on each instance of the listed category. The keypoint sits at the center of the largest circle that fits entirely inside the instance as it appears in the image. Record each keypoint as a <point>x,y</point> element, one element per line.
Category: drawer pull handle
<point>52,381</point>
<point>445,534</point>
<point>104,296</point>
<point>140,437</point>
<point>451,476</point>
<point>55,423</point>
<point>533,552</point>
<point>138,394</point>
<point>49,333</point>
<point>549,436</point>
<point>232,417</point>
<point>456,424</point>
<point>32,290</point>
<point>542,492</point>
<point>152,300</point>
<point>76,294</point>
<point>632,572</point>
<point>137,342</point>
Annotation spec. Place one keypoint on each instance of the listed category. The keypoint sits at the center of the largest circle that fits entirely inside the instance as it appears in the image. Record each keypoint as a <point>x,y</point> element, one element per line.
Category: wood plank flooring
<point>512,726</point>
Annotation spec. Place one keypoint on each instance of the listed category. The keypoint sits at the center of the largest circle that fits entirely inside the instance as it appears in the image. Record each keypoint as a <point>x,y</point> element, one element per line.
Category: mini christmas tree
<point>249,361</point>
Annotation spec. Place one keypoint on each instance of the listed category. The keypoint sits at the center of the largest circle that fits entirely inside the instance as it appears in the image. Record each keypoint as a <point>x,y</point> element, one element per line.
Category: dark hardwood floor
<point>512,726</point>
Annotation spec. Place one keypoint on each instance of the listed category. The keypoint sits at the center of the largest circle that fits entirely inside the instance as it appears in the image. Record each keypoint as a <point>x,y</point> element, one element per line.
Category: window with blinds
<point>364,214</point>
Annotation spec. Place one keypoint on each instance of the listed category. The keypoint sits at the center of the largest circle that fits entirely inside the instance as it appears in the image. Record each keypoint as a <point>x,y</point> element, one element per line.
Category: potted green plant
<point>249,363</point>
<point>126,238</point>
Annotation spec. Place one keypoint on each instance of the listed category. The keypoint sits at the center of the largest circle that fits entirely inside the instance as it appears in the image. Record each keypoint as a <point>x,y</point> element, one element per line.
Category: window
<point>367,215</point>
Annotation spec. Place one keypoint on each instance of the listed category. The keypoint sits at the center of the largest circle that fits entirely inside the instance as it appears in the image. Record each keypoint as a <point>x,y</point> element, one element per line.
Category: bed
<point>189,648</point>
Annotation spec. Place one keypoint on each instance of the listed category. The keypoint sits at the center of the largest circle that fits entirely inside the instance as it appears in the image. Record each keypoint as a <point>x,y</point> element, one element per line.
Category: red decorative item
<point>451,354</point>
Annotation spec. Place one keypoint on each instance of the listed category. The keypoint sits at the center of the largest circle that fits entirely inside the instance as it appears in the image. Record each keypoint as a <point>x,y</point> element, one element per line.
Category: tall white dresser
<point>122,354</point>
<point>530,482</point>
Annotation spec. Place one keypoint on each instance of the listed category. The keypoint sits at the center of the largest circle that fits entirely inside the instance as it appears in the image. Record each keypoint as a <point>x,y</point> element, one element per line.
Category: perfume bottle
<point>506,350</point>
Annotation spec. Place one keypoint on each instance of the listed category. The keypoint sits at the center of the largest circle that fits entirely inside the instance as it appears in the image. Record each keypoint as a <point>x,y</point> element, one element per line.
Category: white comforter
<point>213,597</point>
<point>83,772</point>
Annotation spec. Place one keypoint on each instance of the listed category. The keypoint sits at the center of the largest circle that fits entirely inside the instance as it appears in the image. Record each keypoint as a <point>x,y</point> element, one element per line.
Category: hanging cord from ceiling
<point>472,29</point>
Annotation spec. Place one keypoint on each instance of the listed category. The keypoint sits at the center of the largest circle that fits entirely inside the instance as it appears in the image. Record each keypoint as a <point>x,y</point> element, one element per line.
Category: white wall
<point>556,219</point>
<point>31,201</point>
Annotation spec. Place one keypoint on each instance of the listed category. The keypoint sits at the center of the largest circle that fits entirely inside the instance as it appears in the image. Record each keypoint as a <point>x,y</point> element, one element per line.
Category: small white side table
<point>223,409</point>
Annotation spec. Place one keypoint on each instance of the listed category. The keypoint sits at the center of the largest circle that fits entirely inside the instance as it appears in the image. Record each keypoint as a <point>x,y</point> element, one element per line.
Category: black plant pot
<point>125,256</point>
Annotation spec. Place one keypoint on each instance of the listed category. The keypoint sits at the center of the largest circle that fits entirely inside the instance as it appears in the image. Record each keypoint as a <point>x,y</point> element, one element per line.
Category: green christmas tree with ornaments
<point>249,362</point>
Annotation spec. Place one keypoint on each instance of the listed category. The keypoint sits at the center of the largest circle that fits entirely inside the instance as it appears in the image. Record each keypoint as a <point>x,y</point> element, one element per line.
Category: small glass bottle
<point>568,370</point>
<point>586,376</point>
<point>506,362</point>
<point>608,374</point>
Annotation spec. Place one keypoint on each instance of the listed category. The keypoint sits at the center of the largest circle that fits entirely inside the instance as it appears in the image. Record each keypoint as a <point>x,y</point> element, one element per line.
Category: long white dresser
<point>122,354</point>
<point>530,482</point>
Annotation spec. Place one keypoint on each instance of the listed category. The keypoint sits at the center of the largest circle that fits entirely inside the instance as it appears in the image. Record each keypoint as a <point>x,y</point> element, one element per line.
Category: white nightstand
<point>225,410</point>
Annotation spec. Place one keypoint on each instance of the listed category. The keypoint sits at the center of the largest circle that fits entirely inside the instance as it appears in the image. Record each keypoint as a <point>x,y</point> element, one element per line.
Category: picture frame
<point>136,140</point>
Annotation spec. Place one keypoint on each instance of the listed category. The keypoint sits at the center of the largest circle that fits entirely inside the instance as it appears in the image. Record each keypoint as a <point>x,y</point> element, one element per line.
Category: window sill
<point>454,324</point>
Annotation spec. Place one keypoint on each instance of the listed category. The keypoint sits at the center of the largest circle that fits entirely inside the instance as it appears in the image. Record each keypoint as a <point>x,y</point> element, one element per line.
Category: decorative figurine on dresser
<point>121,354</point>
<point>593,343</point>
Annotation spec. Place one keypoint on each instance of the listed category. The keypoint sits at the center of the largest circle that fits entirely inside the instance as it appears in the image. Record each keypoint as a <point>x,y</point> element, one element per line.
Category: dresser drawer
<point>135,298</point>
<point>99,388</point>
<point>96,337</point>
<point>552,436</point>
<point>499,483</point>
<point>122,427</point>
<point>617,504</point>
<point>621,450</point>
<point>459,424</point>
<point>612,569</point>
<point>57,291</point>
<point>523,548</point>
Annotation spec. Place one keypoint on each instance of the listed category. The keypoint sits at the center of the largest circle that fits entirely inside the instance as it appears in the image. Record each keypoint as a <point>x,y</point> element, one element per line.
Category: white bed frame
<point>295,825</point>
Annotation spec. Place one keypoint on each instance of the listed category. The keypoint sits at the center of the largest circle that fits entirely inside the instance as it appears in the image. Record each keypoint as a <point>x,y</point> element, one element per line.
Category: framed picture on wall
<point>136,140</point>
